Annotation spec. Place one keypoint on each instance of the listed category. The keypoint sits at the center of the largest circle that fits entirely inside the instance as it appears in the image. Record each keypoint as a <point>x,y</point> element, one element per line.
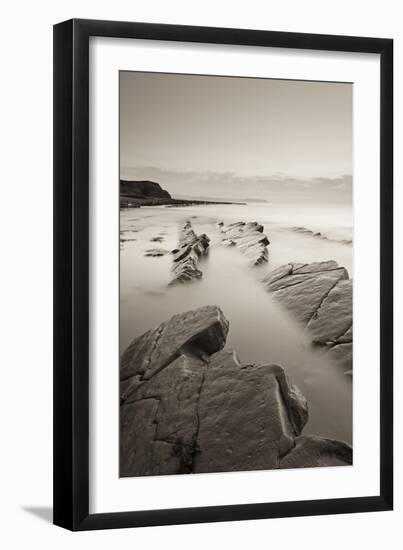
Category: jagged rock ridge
<point>186,256</point>
<point>320,297</point>
<point>189,406</point>
<point>248,238</point>
<point>318,235</point>
<point>156,252</point>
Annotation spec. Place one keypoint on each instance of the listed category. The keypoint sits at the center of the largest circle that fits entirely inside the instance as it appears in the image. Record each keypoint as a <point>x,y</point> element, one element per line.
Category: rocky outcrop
<point>319,235</point>
<point>156,252</point>
<point>186,256</point>
<point>189,406</point>
<point>142,189</point>
<point>311,451</point>
<point>204,330</point>
<point>248,238</point>
<point>320,297</point>
<point>135,193</point>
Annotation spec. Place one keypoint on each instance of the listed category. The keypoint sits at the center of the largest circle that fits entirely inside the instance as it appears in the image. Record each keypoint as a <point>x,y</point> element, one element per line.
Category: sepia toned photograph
<point>236,274</point>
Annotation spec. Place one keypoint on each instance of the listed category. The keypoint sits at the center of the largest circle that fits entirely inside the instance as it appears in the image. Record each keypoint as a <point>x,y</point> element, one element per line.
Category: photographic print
<point>236,274</point>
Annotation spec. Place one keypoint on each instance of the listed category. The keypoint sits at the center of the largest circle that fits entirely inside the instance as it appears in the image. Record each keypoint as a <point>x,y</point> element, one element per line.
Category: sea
<point>261,331</point>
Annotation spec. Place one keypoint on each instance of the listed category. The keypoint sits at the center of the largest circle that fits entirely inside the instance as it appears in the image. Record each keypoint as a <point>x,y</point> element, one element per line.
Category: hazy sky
<point>244,129</point>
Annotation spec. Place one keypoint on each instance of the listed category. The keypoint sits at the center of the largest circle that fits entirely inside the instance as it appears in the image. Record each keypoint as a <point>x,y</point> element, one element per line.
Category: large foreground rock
<point>189,406</point>
<point>248,238</point>
<point>197,333</point>
<point>320,297</point>
<point>186,256</point>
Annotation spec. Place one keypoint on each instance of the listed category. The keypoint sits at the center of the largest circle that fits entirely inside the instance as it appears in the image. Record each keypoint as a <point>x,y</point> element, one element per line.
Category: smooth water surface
<point>260,330</point>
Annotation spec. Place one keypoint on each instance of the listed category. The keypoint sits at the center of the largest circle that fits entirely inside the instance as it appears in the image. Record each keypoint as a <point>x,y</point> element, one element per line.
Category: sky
<point>237,137</point>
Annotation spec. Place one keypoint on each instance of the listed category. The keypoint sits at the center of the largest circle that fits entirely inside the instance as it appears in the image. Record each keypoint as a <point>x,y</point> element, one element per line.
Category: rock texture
<point>189,406</point>
<point>320,297</point>
<point>248,238</point>
<point>318,235</point>
<point>186,256</point>
<point>142,189</point>
<point>156,252</point>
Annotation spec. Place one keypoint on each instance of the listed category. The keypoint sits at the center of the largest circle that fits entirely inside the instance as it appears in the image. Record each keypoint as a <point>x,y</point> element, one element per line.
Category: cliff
<point>134,194</point>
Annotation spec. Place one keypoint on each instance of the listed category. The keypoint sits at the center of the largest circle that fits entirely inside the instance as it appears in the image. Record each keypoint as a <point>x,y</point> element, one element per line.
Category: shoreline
<point>261,328</point>
<point>131,202</point>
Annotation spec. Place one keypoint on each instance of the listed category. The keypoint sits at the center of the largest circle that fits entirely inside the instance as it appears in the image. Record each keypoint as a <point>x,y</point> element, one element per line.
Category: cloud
<point>274,188</point>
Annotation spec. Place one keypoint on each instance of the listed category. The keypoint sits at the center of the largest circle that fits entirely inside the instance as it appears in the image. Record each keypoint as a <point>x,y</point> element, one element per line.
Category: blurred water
<point>260,330</point>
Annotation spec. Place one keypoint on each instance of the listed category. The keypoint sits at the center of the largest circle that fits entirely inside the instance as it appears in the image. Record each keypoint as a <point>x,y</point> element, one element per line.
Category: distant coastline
<point>222,200</point>
<point>137,193</point>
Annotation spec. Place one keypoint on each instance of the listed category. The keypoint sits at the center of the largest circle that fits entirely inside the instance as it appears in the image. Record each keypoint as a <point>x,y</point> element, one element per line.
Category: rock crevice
<point>186,256</point>
<point>320,297</point>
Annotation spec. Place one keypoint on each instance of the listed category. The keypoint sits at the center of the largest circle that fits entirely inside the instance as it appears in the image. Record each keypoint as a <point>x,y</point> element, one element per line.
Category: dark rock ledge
<point>137,193</point>
<point>186,256</point>
<point>248,238</point>
<point>156,252</point>
<point>320,297</point>
<point>189,406</point>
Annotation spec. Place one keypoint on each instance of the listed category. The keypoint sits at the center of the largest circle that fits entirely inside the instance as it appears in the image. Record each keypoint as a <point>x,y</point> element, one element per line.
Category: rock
<point>248,238</point>
<point>305,231</point>
<point>159,421</point>
<point>137,193</point>
<point>203,331</point>
<point>144,189</point>
<point>189,406</point>
<point>343,354</point>
<point>311,451</point>
<point>186,257</point>
<point>334,317</point>
<point>156,252</point>
<point>302,288</point>
<point>318,235</point>
<point>244,412</point>
<point>157,239</point>
<point>320,297</point>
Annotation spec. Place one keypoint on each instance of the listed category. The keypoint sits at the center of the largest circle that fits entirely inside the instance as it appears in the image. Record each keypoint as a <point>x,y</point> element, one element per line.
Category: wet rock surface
<point>248,238</point>
<point>190,406</point>
<point>156,252</point>
<point>318,235</point>
<point>311,451</point>
<point>186,256</point>
<point>320,297</point>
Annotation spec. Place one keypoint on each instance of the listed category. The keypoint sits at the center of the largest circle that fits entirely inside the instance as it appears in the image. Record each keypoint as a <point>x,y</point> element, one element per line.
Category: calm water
<point>260,330</point>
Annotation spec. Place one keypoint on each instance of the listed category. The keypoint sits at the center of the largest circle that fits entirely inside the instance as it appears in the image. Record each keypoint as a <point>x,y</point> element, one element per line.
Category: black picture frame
<point>71,273</point>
